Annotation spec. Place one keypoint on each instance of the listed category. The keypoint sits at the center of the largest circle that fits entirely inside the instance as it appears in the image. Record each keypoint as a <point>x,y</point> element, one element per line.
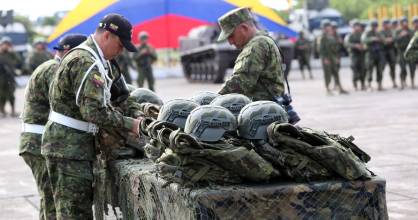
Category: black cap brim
<point>128,45</point>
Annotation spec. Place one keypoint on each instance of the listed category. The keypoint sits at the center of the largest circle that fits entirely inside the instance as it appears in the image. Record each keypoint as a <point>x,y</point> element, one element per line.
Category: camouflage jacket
<point>387,34</point>
<point>37,58</point>
<point>258,71</point>
<point>351,40</point>
<point>11,61</point>
<point>303,46</point>
<point>36,108</point>
<point>329,46</point>
<point>373,41</point>
<point>65,142</point>
<point>403,41</point>
<point>145,56</point>
<point>411,52</point>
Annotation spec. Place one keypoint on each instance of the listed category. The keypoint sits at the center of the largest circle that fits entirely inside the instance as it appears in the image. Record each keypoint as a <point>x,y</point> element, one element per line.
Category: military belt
<point>33,128</point>
<point>73,123</point>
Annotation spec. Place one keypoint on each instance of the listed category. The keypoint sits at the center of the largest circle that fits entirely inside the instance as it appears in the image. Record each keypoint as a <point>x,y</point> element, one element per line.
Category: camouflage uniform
<point>389,53</point>
<point>144,58</point>
<point>9,61</point>
<point>411,53</point>
<point>374,55</point>
<point>35,112</point>
<point>257,71</point>
<point>328,50</point>
<point>36,58</point>
<point>402,42</point>
<point>69,152</point>
<point>357,56</point>
<point>125,62</point>
<point>303,52</point>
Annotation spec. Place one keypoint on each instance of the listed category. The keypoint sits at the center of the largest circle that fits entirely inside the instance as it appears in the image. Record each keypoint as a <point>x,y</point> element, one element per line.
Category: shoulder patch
<point>97,80</point>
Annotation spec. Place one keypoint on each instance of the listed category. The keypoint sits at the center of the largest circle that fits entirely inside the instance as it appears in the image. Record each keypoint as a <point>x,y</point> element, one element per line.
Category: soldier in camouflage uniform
<point>257,72</point>
<point>34,116</point>
<point>303,53</point>
<point>329,47</point>
<point>402,38</point>
<point>125,62</point>
<point>38,55</point>
<point>9,60</point>
<point>357,54</point>
<point>411,52</point>
<point>144,59</point>
<point>389,49</point>
<point>80,100</point>
<point>374,54</point>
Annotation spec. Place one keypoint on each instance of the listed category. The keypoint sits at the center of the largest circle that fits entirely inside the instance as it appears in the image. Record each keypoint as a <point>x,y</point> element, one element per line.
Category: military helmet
<point>334,24</point>
<point>325,23</point>
<point>176,111</point>
<point>355,22</point>
<point>374,22</point>
<point>209,123</point>
<point>403,19</point>
<point>415,19</point>
<point>395,21</point>
<point>233,102</point>
<point>204,98</point>
<point>256,116</point>
<point>229,21</point>
<point>131,87</point>
<point>141,95</point>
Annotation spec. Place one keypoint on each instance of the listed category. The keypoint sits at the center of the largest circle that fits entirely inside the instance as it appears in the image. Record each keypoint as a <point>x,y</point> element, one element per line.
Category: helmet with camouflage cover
<point>141,95</point>
<point>256,116</point>
<point>209,123</point>
<point>233,102</point>
<point>204,98</point>
<point>176,111</point>
<point>131,87</point>
<point>229,21</point>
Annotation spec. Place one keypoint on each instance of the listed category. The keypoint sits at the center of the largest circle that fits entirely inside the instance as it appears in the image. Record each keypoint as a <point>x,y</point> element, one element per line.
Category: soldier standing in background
<point>303,53</point>
<point>357,55</point>
<point>125,62</point>
<point>389,50</point>
<point>144,59</point>
<point>34,116</point>
<point>402,38</point>
<point>374,54</point>
<point>9,60</point>
<point>411,53</point>
<point>328,51</point>
<point>258,71</point>
<point>340,42</point>
<point>38,55</point>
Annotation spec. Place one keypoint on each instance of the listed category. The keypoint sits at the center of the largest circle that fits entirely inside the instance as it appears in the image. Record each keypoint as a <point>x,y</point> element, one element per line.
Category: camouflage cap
<point>232,19</point>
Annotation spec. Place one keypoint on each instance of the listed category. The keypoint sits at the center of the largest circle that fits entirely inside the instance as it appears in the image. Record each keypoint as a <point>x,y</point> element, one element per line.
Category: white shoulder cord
<point>102,71</point>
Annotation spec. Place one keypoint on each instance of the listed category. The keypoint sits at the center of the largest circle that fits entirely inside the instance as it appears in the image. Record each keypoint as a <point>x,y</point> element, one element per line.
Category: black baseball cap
<point>70,41</point>
<point>118,25</point>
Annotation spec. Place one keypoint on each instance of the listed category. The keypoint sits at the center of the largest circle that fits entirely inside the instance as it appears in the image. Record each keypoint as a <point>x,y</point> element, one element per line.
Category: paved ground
<point>385,124</point>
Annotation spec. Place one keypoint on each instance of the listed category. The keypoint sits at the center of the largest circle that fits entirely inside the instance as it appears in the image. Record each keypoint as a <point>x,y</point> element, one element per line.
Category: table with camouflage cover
<point>136,188</point>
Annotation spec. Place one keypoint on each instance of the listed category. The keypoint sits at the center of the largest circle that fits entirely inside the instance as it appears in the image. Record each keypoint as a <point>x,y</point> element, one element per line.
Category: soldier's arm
<point>247,69</point>
<point>91,97</point>
<point>411,52</point>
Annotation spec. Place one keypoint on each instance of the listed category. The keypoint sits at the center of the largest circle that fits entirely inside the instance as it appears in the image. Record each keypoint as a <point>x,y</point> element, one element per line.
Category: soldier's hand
<point>326,61</point>
<point>135,127</point>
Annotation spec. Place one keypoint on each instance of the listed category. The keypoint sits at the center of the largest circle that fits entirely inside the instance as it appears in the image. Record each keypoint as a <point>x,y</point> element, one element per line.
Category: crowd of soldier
<point>370,49</point>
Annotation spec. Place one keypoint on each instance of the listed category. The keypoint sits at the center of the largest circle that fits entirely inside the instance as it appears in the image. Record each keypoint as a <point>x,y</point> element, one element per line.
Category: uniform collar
<point>99,50</point>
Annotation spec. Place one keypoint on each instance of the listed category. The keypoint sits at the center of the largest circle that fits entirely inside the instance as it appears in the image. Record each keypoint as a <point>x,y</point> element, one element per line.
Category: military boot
<point>363,86</point>
<point>355,85</point>
<point>379,86</point>
<point>310,74</point>
<point>394,84</point>
<point>403,84</point>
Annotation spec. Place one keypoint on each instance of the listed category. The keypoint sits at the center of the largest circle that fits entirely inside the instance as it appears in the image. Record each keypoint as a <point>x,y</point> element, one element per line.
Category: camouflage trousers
<point>390,59</point>
<point>7,92</point>
<point>375,61</point>
<point>331,71</point>
<point>72,185</point>
<point>403,64</point>
<point>145,73</point>
<point>303,60</point>
<point>358,67</point>
<point>38,166</point>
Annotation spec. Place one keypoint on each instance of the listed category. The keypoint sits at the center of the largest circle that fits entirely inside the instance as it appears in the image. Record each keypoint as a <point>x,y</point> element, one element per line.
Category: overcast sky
<point>36,8</point>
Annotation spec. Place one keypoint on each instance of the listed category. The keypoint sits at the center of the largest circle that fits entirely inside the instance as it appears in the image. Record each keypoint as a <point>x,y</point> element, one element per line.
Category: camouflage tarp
<point>140,194</point>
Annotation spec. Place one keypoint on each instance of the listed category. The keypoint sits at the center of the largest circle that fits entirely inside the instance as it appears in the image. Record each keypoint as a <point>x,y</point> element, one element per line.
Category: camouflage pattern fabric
<point>389,52</point>
<point>257,71</point>
<point>144,58</point>
<point>374,54</point>
<point>232,19</point>
<point>39,170</point>
<point>402,39</point>
<point>36,107</point>
<point>36,58</point>
<point>141,194</point>
<point>319,147</point>
<point>357,56</point>
<point>328,50</point>
<point>8,62</point>
<point>411,52</point>
<point>72,182</point>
